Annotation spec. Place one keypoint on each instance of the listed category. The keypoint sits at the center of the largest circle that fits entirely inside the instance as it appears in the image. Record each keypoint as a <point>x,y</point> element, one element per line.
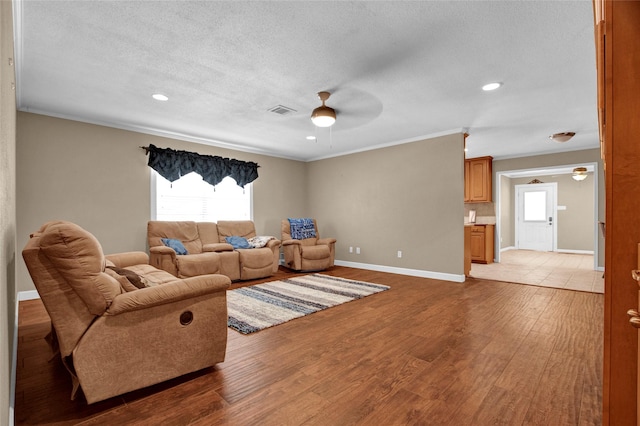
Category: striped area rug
<point>261,306</point>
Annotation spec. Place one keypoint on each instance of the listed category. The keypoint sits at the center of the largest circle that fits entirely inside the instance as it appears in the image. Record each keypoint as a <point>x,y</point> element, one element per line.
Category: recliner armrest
<point>122,260</point>
<point>291,243</point>
<point>168,293</point>
<point>272,244</point>
<point>217,247</point>
<point>326,241</point>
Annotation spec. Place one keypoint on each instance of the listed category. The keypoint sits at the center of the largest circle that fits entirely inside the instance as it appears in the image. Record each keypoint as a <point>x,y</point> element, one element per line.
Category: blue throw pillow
<point>238,242</point>
<point>302,228</point>
<point>176,245</point>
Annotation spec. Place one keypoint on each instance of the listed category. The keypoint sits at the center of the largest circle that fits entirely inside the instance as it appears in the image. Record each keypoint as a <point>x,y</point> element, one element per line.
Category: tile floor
<point>547,269</point>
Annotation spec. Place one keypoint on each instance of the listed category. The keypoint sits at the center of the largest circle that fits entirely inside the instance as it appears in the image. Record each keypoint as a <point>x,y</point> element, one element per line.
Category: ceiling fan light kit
<point>579,173</point>
<point>323,116</point>
<point>562,137</point>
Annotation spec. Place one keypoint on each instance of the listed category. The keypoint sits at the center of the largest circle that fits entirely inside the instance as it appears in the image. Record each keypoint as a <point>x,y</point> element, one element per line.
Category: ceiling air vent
<point>282,110</point>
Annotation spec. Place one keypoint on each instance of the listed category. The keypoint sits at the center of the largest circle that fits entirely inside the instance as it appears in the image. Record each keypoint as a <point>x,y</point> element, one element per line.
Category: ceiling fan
<point>323,116</point>
<point>357,108</point>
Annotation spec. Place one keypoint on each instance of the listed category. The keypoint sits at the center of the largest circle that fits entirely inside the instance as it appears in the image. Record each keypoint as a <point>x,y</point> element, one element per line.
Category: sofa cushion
<point>131,276</point>
<point>315,252</point>
<point>259,241</point>
<point>242,228</point>
<point>302,228</point>
<point>198,264</point>
<point>176,245</point>
<point>238,242</point>
<point>183,231</point>
<point>152,276</point>
<point>125,284</point>
<point>256,258</point>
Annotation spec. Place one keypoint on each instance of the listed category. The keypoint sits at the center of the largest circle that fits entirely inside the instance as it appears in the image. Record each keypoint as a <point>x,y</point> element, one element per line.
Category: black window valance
<point>172,164</point>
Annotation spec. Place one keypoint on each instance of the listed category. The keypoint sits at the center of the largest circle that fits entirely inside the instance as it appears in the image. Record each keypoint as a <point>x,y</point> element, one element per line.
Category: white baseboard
<point>28,295</point>
<point>507,248</point>
<point>600,268</point>
<point>404,271</point>
<point>575,251</point>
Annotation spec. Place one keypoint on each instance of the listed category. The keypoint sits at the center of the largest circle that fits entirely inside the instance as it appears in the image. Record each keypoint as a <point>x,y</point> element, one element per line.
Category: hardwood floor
<point>426,352</point>
<point>547,269</point>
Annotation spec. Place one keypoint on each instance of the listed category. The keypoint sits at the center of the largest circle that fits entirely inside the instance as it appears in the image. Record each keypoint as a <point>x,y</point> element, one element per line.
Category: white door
<point>536,216</point>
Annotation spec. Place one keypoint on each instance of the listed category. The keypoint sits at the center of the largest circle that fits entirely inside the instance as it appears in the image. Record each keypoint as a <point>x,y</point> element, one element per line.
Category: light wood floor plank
<point>424,352</point>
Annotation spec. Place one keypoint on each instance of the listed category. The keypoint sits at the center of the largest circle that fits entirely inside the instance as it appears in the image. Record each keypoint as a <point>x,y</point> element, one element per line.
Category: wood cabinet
<point>481,243</point>
<point>477,179</point>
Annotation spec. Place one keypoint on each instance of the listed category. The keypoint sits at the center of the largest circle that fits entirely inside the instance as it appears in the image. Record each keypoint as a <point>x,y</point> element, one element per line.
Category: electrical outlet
<point>357,250</point>
<point>350,249</point>
<point>399,253</point>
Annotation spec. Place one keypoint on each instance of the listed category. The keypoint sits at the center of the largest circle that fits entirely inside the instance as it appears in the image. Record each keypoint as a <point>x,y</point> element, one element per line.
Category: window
<point>191,198</point>
<point>535,205</point>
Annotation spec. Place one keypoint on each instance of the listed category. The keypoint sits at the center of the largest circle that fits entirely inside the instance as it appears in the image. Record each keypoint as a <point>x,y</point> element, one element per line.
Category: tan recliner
<point>119,323</point>
<point>307,254</point>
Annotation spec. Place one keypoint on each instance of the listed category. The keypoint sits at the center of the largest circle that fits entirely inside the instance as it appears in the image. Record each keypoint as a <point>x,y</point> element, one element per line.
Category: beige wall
<point>7,208</point>
<point>576,223</point>
<point>507,223</point>
<point>408,197</point>
<point>97,177</point>
<point>560,159</point>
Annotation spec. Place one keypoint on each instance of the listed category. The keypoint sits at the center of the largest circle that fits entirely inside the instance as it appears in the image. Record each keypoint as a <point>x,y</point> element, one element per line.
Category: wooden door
<point>535,222</point>
<point>621,62</point>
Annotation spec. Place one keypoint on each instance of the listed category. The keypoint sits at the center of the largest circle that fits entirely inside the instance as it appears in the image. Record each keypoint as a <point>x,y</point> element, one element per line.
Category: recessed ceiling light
<point>311,138</point>
<point>491,86</point>
<point>160,97</point>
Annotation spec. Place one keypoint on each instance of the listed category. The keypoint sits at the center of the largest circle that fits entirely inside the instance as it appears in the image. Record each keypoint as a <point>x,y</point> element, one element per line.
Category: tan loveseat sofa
<point>208,250</point>
<point>118,323</point>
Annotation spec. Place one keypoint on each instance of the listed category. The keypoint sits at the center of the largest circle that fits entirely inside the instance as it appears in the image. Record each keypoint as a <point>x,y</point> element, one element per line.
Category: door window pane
<point>535,205</point>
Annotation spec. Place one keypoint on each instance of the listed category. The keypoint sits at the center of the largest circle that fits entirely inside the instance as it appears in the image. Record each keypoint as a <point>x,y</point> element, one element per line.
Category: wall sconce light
<point>579,173</point>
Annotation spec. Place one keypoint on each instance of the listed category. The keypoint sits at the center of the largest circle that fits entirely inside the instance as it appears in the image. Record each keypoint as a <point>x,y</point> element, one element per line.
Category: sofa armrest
<point>274,244</point>
<point>327,241</point>
<point>122,260</point>
<point>291,242</point>
<point>162,250</point>
<point>164,258</point>
<point>217,247</point>
<point>168,293</point>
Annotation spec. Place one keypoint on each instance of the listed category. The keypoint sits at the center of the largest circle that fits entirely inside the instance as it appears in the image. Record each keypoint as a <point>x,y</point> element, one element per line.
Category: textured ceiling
<point>398,71</point>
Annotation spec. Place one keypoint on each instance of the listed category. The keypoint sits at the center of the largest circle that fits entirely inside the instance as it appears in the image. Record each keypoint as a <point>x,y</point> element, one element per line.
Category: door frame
<point>536,171</point>
<point>554,213</point>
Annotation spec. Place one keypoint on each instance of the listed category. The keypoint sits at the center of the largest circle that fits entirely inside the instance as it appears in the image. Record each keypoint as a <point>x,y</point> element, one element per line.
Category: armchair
<point>307,254</point>
<point>114,337</point>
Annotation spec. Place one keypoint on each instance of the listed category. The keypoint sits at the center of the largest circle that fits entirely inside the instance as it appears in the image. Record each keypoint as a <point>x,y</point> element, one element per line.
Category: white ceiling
<point>398,71</point>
